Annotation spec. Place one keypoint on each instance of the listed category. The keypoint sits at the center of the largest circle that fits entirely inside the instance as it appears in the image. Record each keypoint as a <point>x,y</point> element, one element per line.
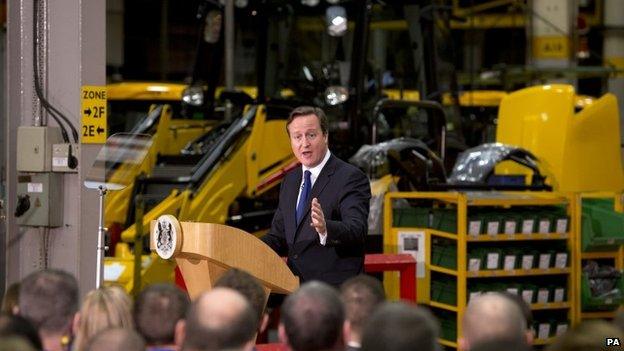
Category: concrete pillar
<point>73,55</point>
<point>115,34</point>
<point>614,51</point>
<point>2,156</point>
<point>550,31</point>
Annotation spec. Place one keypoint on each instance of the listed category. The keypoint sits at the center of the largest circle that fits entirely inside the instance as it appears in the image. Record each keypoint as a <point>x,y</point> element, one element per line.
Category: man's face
<point>308,142</point>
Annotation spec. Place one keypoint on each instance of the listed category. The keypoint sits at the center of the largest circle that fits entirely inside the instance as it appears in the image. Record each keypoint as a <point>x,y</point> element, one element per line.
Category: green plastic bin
<point>598,303</point>
<point>443,254</point>
<point>444,291</point>
<point>601,229</point>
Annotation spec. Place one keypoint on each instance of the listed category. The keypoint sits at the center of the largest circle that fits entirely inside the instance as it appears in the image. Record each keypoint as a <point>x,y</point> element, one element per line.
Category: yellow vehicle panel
<point>408,95</point>
<point>579,151</point>
<point>159,91</point>
<point>119,270</point>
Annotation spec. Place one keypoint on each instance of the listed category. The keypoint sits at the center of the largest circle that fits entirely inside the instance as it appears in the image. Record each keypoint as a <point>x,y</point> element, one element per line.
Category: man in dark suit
<point>322,216</point>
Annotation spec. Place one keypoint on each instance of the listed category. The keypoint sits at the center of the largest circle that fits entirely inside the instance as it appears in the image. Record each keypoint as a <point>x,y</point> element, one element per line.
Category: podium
<point>204,251</point>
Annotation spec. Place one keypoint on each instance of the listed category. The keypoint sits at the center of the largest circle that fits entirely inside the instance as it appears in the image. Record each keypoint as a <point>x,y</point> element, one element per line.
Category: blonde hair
<point>103,308</point>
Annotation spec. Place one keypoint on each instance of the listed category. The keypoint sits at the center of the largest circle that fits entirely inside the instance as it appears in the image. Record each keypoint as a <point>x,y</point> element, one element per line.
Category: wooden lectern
<point>204,251</point>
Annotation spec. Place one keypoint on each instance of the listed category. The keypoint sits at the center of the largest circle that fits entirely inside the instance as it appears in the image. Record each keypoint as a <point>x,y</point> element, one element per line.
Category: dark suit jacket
<point>344,194</point>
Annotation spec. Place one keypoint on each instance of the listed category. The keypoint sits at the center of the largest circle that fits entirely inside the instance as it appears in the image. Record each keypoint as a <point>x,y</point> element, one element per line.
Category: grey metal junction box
<point>44,193</point>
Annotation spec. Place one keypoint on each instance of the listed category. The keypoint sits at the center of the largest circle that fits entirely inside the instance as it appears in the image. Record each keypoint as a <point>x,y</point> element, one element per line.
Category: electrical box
<point>40,200</point>
<point>34,148</point>
<point>65,157</point>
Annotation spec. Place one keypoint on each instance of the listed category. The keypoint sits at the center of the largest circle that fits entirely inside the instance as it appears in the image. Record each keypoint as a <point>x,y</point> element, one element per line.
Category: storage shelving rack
<point>463,202</point>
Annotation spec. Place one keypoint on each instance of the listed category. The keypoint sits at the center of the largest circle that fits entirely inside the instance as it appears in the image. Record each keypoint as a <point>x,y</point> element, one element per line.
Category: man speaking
<point>322,216</point>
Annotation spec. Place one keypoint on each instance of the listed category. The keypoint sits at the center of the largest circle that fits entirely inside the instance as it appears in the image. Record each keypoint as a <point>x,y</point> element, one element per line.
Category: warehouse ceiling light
<point>310,3</point>
<point>336,17</point>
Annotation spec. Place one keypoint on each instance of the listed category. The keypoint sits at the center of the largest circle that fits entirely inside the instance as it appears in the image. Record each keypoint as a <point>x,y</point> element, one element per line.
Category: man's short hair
<point>588,335</point>
<point>219,319</point>
<point>492,316</point>
<point>157,309</point>
<point>247,285</point>
<point>116,339</point>
<point>498,344</point>
<point>313,317</point>
<point>396,326</point>
<point>49,299</point>
<point>306,111</point>
<point>361,295</point>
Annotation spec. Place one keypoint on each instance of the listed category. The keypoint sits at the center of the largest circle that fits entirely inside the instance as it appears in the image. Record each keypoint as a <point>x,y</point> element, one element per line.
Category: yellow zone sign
<point>551,47</point>
<point>94,115</point>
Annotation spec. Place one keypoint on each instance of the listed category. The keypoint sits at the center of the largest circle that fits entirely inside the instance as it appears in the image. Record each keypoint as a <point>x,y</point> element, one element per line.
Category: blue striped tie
<point>305,193</point>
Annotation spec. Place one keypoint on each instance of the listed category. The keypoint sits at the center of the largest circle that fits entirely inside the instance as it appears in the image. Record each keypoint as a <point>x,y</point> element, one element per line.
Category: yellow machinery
<point>247,162</point>
<point>579,151</point>
<point>129,101</point>
<point>116,206</point>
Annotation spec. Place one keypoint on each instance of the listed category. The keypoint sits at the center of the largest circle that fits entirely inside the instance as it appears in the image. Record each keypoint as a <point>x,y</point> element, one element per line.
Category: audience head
<point>619,320</point>
<point>116,339</point>
<point>220,319</point>
<point>103,308</point>
<point>491,316</point>
<point>587,336</point>
<point>17,326</point>
<point>250,288</point>
<point>312,318</point>
<point>15,343</point>
<point>526,313</point>
<point>396,326</point>
<point>157,309</point>
<point>360,296</point>
<point>500,344</point>
<point>10,299</point>
<point>49,300</point>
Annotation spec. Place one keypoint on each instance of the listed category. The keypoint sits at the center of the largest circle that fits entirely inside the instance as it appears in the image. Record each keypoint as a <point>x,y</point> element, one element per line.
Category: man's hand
<point>318,219</point>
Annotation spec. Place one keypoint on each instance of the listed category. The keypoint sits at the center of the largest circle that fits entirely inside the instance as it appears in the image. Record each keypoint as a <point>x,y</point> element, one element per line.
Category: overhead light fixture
<point>332,2</point>
<point>310,3</point>
<point>336,17</point>
<point>241,4</point>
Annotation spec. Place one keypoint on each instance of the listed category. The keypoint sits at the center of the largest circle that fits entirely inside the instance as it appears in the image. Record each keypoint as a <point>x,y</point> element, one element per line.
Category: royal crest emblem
<point>166,236</point>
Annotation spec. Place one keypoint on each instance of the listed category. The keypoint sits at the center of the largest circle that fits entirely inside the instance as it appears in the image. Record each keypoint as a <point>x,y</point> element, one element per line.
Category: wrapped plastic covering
<point>602,280</point>
<point>373,158</point>
<point>475,165</point>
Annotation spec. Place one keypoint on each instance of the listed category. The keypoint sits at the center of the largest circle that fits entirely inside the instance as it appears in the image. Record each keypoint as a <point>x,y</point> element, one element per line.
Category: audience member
<point>491,316</point>
<point>15,343</point>
<point>157,310</point>
<point>10,299</point>
<point>49,300</point>
<point>587,336</point>
<point>312,318</point>
<point>499,344</point>
<point>529,333</point>
<point>251,289</point>
<point>103,308</point>
<point>14,325</point>
<point>360,296</point>
<point>397,326</point>
<point>219,319</point>
<point>619,320</point>
<point>116,339</point>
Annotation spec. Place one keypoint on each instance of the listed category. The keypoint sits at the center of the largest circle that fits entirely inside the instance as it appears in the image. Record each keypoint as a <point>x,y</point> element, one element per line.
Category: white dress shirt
<point>314,173</point>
